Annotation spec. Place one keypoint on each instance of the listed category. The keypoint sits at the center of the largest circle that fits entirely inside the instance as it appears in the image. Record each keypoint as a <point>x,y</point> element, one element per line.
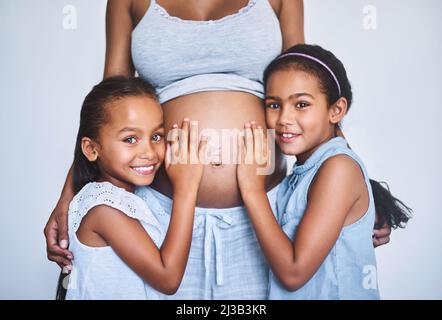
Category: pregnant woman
<point>206,59</point>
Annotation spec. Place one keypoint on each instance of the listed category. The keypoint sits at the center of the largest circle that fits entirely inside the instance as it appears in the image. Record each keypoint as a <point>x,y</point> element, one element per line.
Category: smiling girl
<point>320,244</point>
<point>120,250</point>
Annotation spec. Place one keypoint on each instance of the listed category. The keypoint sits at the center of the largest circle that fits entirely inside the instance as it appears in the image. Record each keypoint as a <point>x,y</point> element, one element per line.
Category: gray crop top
<point>181,57</point>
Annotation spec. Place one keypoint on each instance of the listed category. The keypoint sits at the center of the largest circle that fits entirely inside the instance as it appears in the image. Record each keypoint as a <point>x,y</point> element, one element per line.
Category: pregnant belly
<point>220,115</point>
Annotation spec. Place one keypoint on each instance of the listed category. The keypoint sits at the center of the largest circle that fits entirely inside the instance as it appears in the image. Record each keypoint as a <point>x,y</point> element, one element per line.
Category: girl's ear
<point>89,148</point>
<point>338,110</point>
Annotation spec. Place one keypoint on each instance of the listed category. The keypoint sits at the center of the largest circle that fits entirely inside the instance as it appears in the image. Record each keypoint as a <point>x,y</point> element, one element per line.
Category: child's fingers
<point>168,156</point>
<point>265,145</point>
<point>241,149</point>
<point>193,143</point>
<point>258,144</point>
<point>202,149</point>
<point>249,144</point>
<point>270,144</point>
<point>175,148</point>
<point>184,141</point>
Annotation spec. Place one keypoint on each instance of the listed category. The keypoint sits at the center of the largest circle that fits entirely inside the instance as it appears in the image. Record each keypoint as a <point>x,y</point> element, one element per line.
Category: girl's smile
<point>287,137</point>
<point>144,170</point>
<point>131,146</point>
<point>298,111</point>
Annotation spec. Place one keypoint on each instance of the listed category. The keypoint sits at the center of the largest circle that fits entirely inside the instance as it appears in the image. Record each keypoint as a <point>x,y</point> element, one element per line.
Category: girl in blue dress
<point>120,249</point>
<point>320,244</point>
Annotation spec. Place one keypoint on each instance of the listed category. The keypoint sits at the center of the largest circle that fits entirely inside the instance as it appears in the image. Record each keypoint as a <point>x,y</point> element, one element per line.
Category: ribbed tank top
<point>181,57</point>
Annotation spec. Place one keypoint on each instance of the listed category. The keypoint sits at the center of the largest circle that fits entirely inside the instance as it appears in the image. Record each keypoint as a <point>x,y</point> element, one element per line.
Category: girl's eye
<point>302,105</point>
<point>131,140</point>
<point>272,105</point>
<point>157,137</point>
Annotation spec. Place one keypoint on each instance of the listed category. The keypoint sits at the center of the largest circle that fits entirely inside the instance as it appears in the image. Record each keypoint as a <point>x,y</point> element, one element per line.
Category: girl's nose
<point>286,117</point>
<point>147,152</point>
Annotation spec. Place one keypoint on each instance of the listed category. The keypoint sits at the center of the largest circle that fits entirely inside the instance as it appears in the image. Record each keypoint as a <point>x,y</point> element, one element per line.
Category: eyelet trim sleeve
<point>105,193</point>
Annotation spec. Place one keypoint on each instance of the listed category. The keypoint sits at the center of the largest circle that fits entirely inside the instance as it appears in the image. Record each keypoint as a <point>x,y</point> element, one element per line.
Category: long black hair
<point>92,118</point>
<point>390,211</point>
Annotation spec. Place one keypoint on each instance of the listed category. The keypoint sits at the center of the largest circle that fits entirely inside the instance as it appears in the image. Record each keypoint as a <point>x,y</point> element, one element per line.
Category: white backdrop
<point>52,52</point>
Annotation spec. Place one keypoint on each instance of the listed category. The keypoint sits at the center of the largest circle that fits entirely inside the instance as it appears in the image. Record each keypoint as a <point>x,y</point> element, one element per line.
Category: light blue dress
<point>225,259</point>
<point>349,270</point>
<point>98,272</point>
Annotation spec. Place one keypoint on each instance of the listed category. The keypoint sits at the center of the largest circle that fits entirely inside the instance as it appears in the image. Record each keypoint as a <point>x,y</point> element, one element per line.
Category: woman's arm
<point>56,229</point>
<point>291,19</point>
<point>331,197</point>
<point>119,26</point>
<point>118,62</point>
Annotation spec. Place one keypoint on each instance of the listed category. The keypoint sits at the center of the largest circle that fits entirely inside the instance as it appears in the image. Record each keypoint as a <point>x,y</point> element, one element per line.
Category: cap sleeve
<point>105,193</point>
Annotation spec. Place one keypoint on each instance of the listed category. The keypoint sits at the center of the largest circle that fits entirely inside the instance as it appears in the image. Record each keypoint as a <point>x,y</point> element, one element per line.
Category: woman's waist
<point>233,218</point>
<point>210,82</point>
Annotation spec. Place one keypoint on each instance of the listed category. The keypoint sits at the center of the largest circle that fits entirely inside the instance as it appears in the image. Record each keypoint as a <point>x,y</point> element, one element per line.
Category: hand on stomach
<point>220,115</point>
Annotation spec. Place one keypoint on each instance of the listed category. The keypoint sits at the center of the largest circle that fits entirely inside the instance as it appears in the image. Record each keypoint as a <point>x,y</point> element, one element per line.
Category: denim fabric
<point>349,270</point>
